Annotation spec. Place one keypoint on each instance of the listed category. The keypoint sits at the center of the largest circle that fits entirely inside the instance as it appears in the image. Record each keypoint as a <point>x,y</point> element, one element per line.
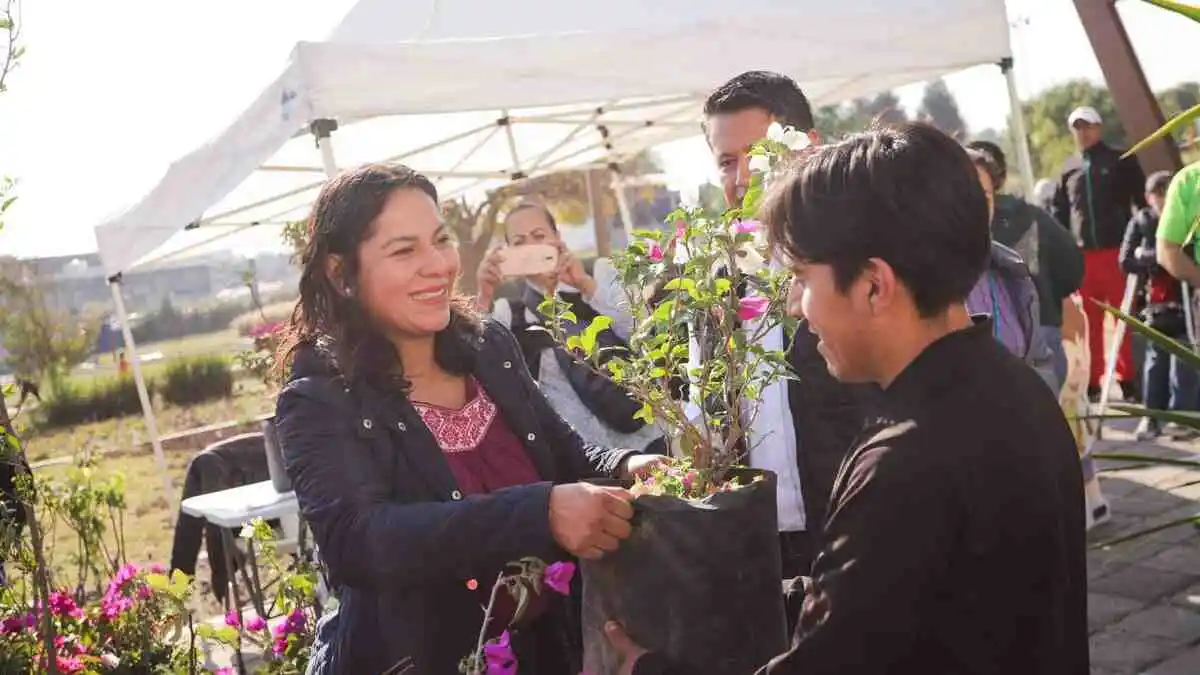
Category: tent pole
<point>322,130</point>
<point>1020,136</point>
<point>114,284</point>
<point>618,185</point>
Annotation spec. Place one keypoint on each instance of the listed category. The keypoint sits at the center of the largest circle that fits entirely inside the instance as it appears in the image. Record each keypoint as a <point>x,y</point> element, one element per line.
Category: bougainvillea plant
<point>703,296</point>
<point>522,580</point>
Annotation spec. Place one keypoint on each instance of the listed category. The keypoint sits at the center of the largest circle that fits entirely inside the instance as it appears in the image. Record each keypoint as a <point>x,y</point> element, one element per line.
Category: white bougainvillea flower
<point>792,138</point>
<point>760,164</point>
<point>775,132</point>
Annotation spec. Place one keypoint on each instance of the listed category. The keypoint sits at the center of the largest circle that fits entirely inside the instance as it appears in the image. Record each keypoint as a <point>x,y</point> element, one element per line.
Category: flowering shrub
<point>260,360</point>
<point>722,291</point>
<point>522,580</point>
<point>129,629</point>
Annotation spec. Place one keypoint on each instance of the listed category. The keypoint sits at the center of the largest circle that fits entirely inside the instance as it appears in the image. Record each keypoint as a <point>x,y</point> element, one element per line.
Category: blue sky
<point>111,92</point>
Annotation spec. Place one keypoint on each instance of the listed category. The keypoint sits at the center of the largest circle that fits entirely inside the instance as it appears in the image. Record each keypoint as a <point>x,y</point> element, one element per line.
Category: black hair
<point>327,317</point>
<point>775,93</point>
<point>529,205</point>
<point>982,160</point>
<point>999,163</point>
<point>1158,182</point>
<point>906,194</point>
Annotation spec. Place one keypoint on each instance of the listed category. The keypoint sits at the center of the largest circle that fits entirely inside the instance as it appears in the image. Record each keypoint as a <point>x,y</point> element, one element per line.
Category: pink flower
<point>12,624</point>
<point>256,623</point>
<point>64,605</point>
<point>232,619</point>
<point>558,577</point>
<point>654,251</point>
<point>114,606</point>
<point>752,307</point>
<point>227,670</point>
<point>158,568</point>
<point>500,657</point>
<point>281,645</point>
<point>110,660</point>
<point>746,226</point>
<point>680,230</point>
<point>69,664</point>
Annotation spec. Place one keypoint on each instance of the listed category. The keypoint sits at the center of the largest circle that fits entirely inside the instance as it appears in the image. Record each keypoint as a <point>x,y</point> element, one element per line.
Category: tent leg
<point>322,130</point>
<point>114,284</point>
<point>1020,135</point>
<point>618,188</point>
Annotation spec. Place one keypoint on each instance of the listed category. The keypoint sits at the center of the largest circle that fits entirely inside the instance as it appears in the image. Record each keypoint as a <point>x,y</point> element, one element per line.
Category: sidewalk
<point>1144,595</point>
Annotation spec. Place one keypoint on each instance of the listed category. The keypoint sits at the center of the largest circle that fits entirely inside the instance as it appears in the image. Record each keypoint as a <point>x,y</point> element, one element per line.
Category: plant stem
<point>487,615</point>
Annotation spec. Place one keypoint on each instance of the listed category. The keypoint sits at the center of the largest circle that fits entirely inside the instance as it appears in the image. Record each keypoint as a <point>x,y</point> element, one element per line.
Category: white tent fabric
<point>576,85</point>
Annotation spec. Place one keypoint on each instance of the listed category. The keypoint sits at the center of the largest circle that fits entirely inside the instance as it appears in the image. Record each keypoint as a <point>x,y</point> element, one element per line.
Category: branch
<point>10,25</point>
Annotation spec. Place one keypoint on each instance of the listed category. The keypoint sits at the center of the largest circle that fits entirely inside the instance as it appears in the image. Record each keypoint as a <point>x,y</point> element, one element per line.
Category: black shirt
<point>955,537</point>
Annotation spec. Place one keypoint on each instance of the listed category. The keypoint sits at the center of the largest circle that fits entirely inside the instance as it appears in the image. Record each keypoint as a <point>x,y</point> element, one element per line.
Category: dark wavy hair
<point>331,321</point>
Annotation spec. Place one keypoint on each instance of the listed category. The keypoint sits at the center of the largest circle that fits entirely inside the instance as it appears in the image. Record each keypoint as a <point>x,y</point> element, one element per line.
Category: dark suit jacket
<point>397,537</point>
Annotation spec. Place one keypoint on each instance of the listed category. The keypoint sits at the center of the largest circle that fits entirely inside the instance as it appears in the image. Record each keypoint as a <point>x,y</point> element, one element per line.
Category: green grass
<point>225,343</point>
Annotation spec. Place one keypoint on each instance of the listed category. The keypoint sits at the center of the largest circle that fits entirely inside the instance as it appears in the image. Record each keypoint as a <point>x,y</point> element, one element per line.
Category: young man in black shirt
<point>955,538</point>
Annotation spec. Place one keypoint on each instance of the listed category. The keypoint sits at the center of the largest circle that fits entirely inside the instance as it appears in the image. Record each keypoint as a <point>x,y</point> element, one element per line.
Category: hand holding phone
<point>528,260</point>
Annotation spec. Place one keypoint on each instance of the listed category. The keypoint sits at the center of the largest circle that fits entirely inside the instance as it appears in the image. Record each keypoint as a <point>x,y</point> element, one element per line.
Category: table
<point>233,508</point>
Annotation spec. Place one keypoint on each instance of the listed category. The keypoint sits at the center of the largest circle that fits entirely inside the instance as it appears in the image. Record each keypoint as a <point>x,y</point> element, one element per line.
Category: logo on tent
<point>285,102</point>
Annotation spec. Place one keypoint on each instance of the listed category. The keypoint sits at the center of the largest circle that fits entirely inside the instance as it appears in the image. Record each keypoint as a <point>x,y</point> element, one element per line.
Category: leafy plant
<point>721,288</point>
<point>197,379</point>
<point>103,399</point>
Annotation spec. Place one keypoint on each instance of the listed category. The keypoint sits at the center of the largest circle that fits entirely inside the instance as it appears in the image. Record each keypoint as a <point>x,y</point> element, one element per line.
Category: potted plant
<point>700,577</point>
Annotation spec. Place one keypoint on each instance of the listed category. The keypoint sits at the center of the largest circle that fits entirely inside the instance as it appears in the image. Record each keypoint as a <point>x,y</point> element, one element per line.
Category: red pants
<point>1103,281</point>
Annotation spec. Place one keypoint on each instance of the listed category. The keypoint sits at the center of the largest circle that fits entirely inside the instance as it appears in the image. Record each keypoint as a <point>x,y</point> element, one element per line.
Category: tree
<point>940,108</point>
<point>837,121</point>
<point>1050,142</point>
<point>42,342</point>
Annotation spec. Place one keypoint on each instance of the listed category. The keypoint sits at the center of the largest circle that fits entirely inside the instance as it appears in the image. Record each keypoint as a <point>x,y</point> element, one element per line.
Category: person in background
<point>422,454</point>
<point>600,410</point>
<point>804,426</point>
<point>1043,195</point>
<point>1177,252</point>
<point>955,543</point>
<point>1006,292</point>
<point>1053,257</point>
<point>1170,383</point>
<point>1095,197</point>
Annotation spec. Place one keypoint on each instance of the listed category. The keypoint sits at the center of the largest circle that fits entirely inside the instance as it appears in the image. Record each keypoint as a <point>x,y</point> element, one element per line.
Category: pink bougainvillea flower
<point>680,230</point>
<point>558,577</point>
<point>256,623</point>
<point>232,619</point>
<point>752,307</point>
<point>227,670</point>
<point>500,657</point>
<point>280,646</point>
<point>297,621</point>
<point>746,226</point>
<point>63,605</point>
<point>114,606</point>
<point>12,624</point>
<point>158,568</point>
<point>69,664</point>
<point>653,250</point>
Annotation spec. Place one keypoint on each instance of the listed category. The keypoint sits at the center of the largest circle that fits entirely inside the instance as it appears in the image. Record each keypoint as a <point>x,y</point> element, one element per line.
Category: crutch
<point>1110,363</point>
<point>1188,315</point>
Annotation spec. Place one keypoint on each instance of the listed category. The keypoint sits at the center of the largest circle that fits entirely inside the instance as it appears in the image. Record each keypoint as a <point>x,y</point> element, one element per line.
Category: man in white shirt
<point>803,429</point>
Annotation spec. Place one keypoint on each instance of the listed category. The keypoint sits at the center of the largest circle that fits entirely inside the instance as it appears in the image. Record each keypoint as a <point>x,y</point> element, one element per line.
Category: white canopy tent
<point>477,94</point>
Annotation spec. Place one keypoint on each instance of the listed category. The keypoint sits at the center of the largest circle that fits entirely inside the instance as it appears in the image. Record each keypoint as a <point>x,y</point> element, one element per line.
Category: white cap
<point>1084,113</point>
<point>1043,191</point>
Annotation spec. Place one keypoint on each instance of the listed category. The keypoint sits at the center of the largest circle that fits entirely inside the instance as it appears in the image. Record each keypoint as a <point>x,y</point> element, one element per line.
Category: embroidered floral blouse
<point>484,455</point>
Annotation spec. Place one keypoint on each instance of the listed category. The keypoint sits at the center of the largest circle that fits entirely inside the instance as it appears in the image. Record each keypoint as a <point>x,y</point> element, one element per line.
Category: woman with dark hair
<point>599,409</point>
<point>423,455</point>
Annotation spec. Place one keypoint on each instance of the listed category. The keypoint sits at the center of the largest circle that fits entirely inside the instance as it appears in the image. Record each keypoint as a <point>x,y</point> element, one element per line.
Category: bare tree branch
<point>10,24</point>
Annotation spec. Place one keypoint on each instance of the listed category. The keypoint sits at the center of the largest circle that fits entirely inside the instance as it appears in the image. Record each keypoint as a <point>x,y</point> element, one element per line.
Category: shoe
<point>1094,393</point>
<point>1178,432</point>
<point>1131,392</point>
<point>1147,430</point>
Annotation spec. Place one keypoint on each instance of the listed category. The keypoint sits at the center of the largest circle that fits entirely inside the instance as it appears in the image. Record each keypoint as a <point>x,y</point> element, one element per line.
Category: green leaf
<point>723,285</point>
<point>1178,122</point>
<point>587,341</point>
<point>681,283</point>
<point>753,197</point>
<point>1184,352</point>
<point>1191,420</point>
<point>1190,11</point>
<point>646,414</point>
<point>574,343</point>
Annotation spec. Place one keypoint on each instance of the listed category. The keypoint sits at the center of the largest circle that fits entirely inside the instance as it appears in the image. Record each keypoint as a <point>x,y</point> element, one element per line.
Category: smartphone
<point>529,260</point>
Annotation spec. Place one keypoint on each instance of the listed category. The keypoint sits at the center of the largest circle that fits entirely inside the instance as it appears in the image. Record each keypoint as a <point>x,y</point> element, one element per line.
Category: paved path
<point>1144,595</point>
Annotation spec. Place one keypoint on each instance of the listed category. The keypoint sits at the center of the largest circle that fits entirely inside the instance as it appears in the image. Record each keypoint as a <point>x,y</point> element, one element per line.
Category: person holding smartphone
<point>600,410</point>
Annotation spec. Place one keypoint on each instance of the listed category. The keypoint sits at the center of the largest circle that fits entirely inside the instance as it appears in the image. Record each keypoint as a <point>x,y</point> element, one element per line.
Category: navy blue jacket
<point>398,539</point>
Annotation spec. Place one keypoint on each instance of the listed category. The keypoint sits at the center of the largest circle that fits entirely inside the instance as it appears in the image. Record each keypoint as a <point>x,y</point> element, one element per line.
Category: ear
<point>883,287</point>
<point>333,272</point>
